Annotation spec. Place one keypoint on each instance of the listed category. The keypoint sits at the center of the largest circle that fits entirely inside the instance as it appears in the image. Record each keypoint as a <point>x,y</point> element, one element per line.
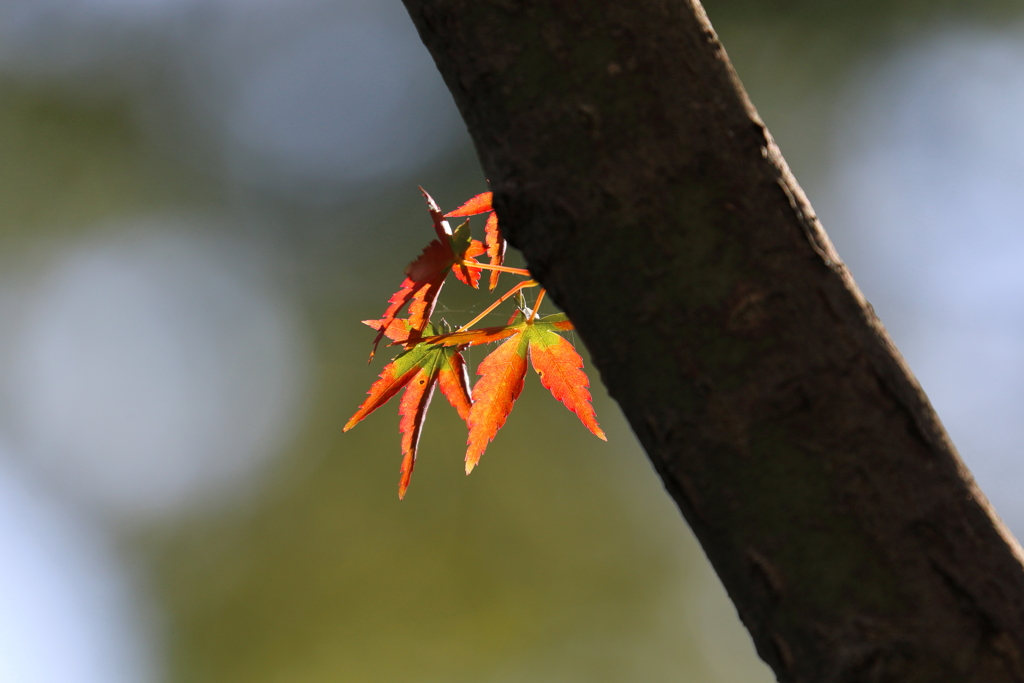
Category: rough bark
<point>647,196</point>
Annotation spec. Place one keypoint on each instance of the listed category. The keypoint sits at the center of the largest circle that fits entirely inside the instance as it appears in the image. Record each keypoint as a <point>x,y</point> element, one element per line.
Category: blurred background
<point>200,199</point>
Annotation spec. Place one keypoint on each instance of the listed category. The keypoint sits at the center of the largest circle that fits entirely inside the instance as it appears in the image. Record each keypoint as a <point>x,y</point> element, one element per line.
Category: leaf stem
<point>522,285</point>
<point>536,304</point>
<point>503,269</point>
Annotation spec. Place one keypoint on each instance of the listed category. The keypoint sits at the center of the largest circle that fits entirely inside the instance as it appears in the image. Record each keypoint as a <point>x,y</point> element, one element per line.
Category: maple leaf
<point>503,373</point>
<point>425,276</point>
<point>418,371</point>
<point>494,242</point>
<point>495,245</point>
<point>479,204</point>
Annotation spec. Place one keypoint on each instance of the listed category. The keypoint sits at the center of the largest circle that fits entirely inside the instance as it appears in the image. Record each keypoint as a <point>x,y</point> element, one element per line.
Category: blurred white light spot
<point>67,610</point>
<point>350,100</point>
<point>311,98</point>
<point>928,206</point>
<point>68,39</point>
<point>149,371</point>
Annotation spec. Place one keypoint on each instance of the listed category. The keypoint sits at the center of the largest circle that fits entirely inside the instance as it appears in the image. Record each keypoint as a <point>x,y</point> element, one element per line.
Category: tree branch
<point>649,199</point>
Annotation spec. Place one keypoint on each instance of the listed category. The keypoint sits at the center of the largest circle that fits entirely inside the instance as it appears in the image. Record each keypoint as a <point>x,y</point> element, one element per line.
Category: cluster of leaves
<point>432,355</point>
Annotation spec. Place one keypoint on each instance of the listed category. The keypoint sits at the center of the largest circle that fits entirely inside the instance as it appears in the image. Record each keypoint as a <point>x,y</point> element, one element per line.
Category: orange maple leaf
<point>474,206</point>
<point>503,372</point>
<point>425,276</point>
<point>417,370</point>
<point>494,242</point>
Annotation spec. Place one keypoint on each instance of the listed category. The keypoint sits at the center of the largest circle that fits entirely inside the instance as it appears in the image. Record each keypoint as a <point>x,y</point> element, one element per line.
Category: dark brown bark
<point>647,196</point>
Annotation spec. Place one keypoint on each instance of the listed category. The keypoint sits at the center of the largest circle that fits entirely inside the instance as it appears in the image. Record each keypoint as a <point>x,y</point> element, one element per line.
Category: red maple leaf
<point>417,370</point>
<point>503,372</point>
<point>425,276</point>
<point>494,242</point>
<point>481,203</point>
